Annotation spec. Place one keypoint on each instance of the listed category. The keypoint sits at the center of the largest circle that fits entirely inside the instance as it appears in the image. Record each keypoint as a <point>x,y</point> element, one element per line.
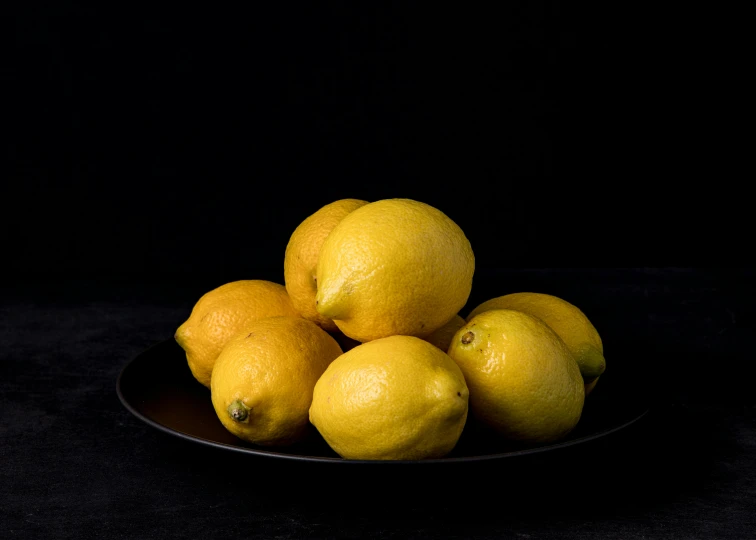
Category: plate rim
<point>323,459</point>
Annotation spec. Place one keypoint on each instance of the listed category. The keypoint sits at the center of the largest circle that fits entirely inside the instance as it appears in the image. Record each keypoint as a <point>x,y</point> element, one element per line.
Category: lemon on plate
<point>262,383</point>
<point>524,383</point>
<point>567,320</point>
<point>393,398</point>
<point>394,266</point>
<point>301,257</point>
<point>220,313</point>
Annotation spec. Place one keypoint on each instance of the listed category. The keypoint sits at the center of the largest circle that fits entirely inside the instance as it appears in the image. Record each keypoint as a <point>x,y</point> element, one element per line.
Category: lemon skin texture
<point>262,383</point>
<point>222,312</point>
<point>567,320</point>
<point>394,266</point>
<point>302,253</point>
<point>394,398</point>
<point>524,383</point>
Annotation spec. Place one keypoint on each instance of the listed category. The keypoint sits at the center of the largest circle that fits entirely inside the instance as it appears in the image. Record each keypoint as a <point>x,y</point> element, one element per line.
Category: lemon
<point>262,382</point>
<point>442,337</point>
<point>392,398</point>
<point>301,257</point>
<point>524,382</point>
<point>566,320</point>
<point>394,266</point>
<point>220,313</point>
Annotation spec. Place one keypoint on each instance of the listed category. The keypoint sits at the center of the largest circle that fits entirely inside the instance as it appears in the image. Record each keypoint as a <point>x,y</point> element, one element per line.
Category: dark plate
<point>158,388</point>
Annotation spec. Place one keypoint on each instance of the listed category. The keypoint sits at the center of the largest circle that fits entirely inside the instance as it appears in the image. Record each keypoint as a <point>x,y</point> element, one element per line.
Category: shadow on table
<point>665,455</point>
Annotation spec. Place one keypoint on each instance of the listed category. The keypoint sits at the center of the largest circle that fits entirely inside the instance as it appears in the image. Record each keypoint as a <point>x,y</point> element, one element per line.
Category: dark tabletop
<point>76,464</point>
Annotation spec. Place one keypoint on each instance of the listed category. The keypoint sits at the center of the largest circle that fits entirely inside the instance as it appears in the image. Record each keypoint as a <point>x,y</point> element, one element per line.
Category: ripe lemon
<point>262,382</point>
<point>566,320</point>
<point>393,398</point>
<point>220,313</point>
<point>394,266</point>
<point>442,337</point>
<point>301,258</point>
<point>524,382</point>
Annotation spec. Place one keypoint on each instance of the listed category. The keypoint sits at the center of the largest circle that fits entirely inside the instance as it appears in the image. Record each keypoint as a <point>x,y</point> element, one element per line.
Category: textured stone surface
<point>76,464</point>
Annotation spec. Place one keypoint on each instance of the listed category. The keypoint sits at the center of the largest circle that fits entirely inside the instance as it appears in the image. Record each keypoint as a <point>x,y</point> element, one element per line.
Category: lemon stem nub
<point>468,337</point>
<point>238,411</point>
<point>591,362</point>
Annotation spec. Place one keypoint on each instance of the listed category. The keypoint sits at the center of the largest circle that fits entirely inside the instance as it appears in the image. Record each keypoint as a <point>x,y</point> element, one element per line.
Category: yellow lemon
<point>393,398</point>
<point>301,258</point>
<point>394,266</point>
<point>263,380</point>
<point>442,337</point>
<point>566,320</point>
<point>524,382</point>
<point>222,312</point>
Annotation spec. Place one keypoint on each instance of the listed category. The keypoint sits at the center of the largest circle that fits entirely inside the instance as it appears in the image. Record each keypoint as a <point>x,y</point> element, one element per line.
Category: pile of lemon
<point>364,343</point>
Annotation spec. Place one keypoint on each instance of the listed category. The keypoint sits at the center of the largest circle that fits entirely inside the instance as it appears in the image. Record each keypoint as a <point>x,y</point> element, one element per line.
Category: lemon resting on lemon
<point>524,383</point>
<point>442,337</point>
<point>263,380</point>
<point>567,320</point>
<point>302,253</point>
<point>364,346</point>
<point>222,312</point>
<point>393,267</point>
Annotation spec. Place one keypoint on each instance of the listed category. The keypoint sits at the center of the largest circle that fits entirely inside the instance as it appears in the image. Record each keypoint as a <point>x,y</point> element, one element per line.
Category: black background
<point>145,141</point>
<point>153,154</point>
